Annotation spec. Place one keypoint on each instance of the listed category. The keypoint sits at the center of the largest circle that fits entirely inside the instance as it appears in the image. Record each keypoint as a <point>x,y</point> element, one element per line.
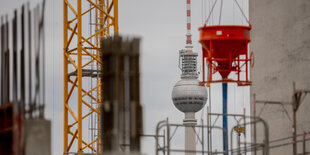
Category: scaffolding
<point>22,95</point>
<point>258,142</point>
<point>298,141</point>
<point>204,136</point>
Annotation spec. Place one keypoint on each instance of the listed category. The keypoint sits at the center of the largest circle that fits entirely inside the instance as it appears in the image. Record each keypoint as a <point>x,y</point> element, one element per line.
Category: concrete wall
<point>37,137</point>
<point>281,43</point>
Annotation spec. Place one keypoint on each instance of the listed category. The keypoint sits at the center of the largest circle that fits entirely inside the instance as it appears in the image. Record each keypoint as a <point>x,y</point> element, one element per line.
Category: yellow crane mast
<point>80,53</point>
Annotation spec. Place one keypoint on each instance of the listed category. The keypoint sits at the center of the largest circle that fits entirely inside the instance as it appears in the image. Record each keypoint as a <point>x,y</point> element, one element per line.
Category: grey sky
<point>161,24</point>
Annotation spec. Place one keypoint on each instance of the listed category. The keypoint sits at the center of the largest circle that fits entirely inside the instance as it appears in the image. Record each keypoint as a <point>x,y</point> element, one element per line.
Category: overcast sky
<point>161,25</point>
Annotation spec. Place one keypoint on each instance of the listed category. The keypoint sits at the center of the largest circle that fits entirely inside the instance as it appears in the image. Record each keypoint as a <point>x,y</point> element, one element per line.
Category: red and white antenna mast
<point>187,56</point>
<point>188,45</point>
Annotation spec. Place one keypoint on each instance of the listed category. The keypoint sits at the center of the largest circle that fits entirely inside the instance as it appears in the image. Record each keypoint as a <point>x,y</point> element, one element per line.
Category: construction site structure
<point>23,128</point>
<point>121,114</point>
<point>281,73</point>
<point>237,143</point>
<point>83,64</point>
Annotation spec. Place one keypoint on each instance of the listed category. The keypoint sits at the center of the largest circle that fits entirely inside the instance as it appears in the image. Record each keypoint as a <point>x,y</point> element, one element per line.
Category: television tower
<point>188,95</point>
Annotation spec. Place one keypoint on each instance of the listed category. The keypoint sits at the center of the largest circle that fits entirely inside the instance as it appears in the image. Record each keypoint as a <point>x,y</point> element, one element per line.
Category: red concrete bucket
<point>223,44</point>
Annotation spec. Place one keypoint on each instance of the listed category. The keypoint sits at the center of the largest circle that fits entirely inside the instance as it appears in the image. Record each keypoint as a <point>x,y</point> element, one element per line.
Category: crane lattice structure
<point>82,63</point>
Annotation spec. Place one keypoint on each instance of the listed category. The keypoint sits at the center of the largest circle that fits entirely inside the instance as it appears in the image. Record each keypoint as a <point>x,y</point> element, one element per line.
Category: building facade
<point>281,43</point>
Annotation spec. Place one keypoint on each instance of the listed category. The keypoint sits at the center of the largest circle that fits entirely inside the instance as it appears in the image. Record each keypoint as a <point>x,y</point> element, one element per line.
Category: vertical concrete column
<point>190,137</point>
<point>37,137</point>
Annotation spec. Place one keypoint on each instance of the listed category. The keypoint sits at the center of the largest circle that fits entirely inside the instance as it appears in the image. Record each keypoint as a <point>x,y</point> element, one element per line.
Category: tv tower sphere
<point>187,94</point>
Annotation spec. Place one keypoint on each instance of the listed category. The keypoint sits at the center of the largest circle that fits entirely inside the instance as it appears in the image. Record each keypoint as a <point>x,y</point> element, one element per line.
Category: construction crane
<point>82,63</point>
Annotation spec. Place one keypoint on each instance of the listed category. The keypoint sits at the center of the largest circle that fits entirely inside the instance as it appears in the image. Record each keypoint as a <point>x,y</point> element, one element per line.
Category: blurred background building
<point>281,43</point>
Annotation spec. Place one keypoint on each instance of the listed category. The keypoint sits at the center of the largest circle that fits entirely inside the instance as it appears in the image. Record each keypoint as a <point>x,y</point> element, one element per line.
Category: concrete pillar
<point>37,137</point>
<point>190,136</point>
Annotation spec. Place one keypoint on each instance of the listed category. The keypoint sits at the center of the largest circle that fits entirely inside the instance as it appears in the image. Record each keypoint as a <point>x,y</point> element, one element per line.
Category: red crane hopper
<point>225,49</point>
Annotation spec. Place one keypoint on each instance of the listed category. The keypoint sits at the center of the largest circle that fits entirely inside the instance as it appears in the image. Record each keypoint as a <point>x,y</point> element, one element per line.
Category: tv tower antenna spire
<point>188,45</point>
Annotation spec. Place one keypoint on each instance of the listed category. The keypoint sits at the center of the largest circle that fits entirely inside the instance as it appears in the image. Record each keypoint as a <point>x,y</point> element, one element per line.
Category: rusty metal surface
<point>29,57</point>
<point>22,62</point>
<point>15,46</point>
<point>5,62</point>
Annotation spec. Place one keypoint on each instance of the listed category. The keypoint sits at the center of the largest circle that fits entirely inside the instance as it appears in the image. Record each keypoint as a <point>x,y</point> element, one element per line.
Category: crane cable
<point>221,12</point>
<point>203,110</point>
<point>235,94</point>
<point>234,13</point>
<point>242,12</point>
<point>211,12</point>
<point>53,103</point>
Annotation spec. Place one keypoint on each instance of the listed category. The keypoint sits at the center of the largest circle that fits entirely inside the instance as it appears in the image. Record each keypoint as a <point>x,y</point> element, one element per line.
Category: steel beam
<point>225,124</point>
<point>81,54</point>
